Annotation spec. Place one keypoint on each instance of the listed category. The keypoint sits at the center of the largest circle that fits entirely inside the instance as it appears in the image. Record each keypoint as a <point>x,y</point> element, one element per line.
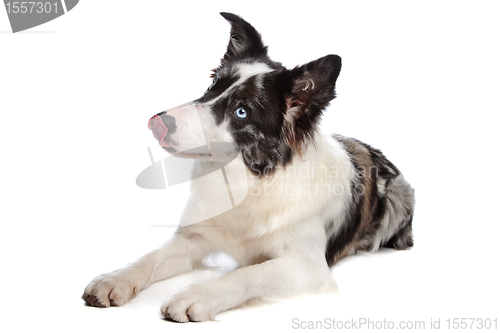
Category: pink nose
<point>159,129</point>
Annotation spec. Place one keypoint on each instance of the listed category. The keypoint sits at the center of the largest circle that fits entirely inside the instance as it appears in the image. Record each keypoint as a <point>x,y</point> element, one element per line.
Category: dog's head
<point>254,104</point>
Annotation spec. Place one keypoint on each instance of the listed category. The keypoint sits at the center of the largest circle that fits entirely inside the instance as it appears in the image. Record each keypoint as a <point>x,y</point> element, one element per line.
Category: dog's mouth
<point>197,153</point>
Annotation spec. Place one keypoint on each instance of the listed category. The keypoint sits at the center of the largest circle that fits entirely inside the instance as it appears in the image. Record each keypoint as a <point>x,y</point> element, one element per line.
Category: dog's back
<point>382,205</point>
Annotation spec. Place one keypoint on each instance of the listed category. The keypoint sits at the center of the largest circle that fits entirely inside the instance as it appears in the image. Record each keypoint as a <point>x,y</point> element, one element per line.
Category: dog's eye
<point>240,113</point>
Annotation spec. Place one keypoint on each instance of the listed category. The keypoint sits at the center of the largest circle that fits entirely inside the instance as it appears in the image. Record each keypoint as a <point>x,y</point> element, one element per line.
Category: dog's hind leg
<point>401,205</point>
<point>403,239</point>
<point>182,254</point>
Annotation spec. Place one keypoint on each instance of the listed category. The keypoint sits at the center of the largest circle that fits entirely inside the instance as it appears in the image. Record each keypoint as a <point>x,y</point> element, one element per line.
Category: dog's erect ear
<point>312,89</point>
<point>313,85</point>
<point>245,41</point>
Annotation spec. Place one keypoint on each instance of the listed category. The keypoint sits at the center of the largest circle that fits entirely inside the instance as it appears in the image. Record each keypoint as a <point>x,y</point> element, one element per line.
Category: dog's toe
<point>191,305</point>
<point>175,316</point>
<point>92,300</point>
<point>109,290</point>
<point>197,313</point>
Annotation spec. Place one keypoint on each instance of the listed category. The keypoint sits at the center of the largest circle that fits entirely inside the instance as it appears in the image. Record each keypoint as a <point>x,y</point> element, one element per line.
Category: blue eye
<point>240,113</point>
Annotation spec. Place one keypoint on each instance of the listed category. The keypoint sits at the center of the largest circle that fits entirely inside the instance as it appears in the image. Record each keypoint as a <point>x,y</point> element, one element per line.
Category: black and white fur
<point>284,243</point>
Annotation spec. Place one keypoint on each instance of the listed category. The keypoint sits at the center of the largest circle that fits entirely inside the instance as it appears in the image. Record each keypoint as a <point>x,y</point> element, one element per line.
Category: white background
<point>420,80</point>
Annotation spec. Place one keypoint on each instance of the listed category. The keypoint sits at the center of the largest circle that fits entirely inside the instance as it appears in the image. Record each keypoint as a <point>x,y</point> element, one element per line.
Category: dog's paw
<point>112,289</point>
<point>193,304</point>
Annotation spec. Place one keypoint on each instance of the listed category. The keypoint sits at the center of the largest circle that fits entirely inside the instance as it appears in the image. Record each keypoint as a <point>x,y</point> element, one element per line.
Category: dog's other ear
<point>313,84</point>
<point>245,41</point>
<point>312,88</point>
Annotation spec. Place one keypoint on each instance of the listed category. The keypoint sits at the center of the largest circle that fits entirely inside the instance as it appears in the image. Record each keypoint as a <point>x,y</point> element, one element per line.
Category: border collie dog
<point>338,195</point>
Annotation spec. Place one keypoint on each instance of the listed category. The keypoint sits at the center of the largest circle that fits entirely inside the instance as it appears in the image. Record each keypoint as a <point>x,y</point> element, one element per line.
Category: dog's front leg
<point>182,254</point>
<point>278,278</point>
